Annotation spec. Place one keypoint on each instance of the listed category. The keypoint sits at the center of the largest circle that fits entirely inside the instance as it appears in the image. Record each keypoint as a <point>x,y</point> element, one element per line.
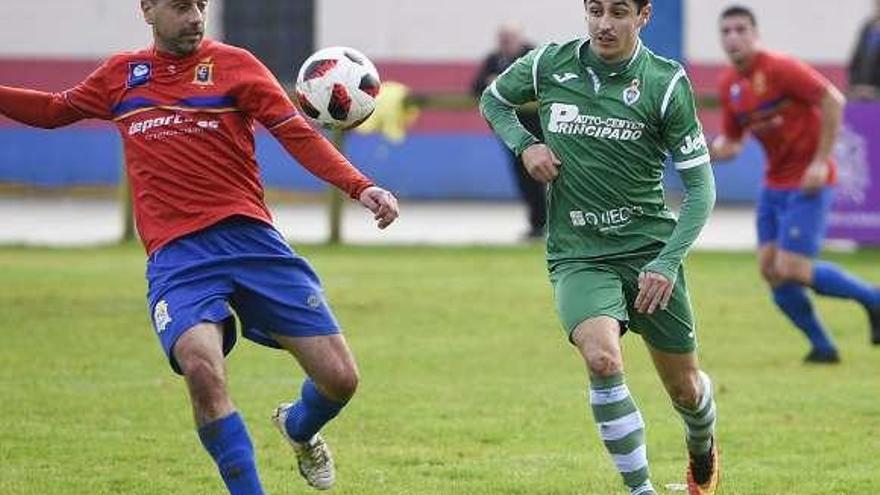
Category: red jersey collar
<point>756,60</point>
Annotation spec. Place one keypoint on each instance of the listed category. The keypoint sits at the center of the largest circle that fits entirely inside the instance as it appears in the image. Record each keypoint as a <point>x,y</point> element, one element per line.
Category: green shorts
<point>589,289</point>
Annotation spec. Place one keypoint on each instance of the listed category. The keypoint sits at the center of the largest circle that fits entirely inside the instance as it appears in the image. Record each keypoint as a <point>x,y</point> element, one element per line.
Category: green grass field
<point>469,386</point>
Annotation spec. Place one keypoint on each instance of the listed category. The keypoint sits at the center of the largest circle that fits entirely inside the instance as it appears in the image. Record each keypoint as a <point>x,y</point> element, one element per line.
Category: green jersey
<point>613,128</point>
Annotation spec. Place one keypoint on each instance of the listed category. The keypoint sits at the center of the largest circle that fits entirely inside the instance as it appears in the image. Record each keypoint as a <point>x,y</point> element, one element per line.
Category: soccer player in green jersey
<point>612,113</point>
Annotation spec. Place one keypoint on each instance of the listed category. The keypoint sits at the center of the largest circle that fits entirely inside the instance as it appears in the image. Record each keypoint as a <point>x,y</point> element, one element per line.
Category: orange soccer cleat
<point>704,472</point>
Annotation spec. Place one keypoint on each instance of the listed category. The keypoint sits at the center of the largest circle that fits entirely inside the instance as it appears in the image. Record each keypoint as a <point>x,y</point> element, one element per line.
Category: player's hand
<point>382,203</point>
<point>541,163</point>
<point>815,178</point>
<point>655,290</point>
<point>722,149</point>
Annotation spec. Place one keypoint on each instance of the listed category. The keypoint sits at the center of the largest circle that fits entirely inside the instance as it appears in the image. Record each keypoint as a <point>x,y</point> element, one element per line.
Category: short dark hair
<point>640,4</point>
<point>740,11</point>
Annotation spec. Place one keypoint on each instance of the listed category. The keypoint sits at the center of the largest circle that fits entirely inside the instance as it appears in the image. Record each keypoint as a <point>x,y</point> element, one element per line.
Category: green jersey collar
<point>593,63</point>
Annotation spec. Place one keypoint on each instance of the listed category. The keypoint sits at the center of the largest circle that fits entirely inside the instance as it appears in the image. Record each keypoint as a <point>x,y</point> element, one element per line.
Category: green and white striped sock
<point>622,430</point>
<point>699,423</point>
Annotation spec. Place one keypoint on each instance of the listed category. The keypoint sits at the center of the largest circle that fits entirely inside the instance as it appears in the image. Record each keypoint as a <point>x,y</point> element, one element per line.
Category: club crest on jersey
<point>204,75</point>
<point>632,94</point>
<point>139,73</point>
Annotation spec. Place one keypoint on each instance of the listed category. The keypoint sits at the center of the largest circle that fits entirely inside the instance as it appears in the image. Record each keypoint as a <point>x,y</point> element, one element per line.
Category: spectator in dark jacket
<point>864,67</point>
<point>511,46</point>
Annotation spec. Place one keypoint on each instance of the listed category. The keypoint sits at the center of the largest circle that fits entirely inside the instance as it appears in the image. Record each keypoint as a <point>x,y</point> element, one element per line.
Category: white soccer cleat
<point>314,457</point>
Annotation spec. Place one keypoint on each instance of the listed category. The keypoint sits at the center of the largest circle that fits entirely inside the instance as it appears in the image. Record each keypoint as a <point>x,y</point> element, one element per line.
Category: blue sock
<point>310,413</point>
<point>831,280</point>
<point>228,443</point>
<point>793,301</point>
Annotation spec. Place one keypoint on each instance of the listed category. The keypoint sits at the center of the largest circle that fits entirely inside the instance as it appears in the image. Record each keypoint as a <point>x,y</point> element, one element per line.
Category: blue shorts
<point>239,265</point>
<point>795,221</point>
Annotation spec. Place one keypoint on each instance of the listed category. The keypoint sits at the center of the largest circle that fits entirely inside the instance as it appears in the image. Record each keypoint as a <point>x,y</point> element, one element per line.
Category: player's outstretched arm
<point>37,108</point>
<point>729,144</point>
<point>658,277</point>
<point>683,136</point>
<point>319,156</point>
<point>831,106</point>
<point>498,104</point>
<point>501,116</point>
<point>324,161</point>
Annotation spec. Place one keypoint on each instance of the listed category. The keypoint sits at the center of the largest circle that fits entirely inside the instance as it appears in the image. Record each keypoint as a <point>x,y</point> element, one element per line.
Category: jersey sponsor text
<point>567,119</point>
<point>170,120</point>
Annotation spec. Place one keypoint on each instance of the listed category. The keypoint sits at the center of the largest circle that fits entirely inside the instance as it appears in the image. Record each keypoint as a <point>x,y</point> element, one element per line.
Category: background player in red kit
<point>185,109</point>
<point>796,114</point>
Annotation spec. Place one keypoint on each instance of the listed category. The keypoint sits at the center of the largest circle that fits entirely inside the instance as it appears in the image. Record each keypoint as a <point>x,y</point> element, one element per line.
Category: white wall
<point>444,30</point>
<point>423,30</point>
<point>76,28</point>
<point>815,30</point>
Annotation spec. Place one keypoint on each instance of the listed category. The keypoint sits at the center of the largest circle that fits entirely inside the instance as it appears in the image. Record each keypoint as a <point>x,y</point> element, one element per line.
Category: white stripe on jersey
<point>283,122</point>
<point>678,75</point>
<point>494,90</point>
<point>535,69</point>
<point>694,162</point>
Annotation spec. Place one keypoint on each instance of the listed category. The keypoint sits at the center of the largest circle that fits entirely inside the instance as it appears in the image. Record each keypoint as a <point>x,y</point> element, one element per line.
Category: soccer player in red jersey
<point>185,108</point>
<point>796,114</point>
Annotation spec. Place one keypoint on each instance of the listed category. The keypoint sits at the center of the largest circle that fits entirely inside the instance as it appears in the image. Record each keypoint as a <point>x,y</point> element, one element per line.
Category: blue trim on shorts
<point>239,267</point>
<point>795,221</point>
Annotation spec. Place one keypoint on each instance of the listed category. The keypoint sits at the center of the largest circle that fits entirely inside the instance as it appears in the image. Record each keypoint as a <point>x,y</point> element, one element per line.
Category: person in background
<point>796,115</point>
<point>864,66</point>
<point>512,45</point>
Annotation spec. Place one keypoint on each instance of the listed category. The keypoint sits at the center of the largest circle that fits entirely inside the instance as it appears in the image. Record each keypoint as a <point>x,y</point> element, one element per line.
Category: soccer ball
<point>337,87</point>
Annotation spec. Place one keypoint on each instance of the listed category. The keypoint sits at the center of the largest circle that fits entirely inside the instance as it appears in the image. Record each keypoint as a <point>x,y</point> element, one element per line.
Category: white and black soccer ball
<point>337,87</point>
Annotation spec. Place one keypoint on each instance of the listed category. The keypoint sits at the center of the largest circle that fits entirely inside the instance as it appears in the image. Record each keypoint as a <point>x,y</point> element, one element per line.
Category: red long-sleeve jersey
<point>187,125</point>
<point>777,99</point>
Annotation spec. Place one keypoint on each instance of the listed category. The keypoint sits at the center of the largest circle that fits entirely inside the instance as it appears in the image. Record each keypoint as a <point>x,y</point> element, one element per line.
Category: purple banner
<point>856,212</point>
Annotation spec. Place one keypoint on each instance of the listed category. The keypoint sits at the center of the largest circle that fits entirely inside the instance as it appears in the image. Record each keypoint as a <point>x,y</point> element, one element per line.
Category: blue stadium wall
<point>424,166</point>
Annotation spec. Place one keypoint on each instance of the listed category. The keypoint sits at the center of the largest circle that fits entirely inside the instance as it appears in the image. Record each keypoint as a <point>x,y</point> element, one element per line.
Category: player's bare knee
<point>206,379</point>
<point>686,392</point>
<point>339,385</point>
<point>347,387</point>
<point>794,268</point>
<point>603,363</point>
<point>344,384</point>
<point>784,272</point>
